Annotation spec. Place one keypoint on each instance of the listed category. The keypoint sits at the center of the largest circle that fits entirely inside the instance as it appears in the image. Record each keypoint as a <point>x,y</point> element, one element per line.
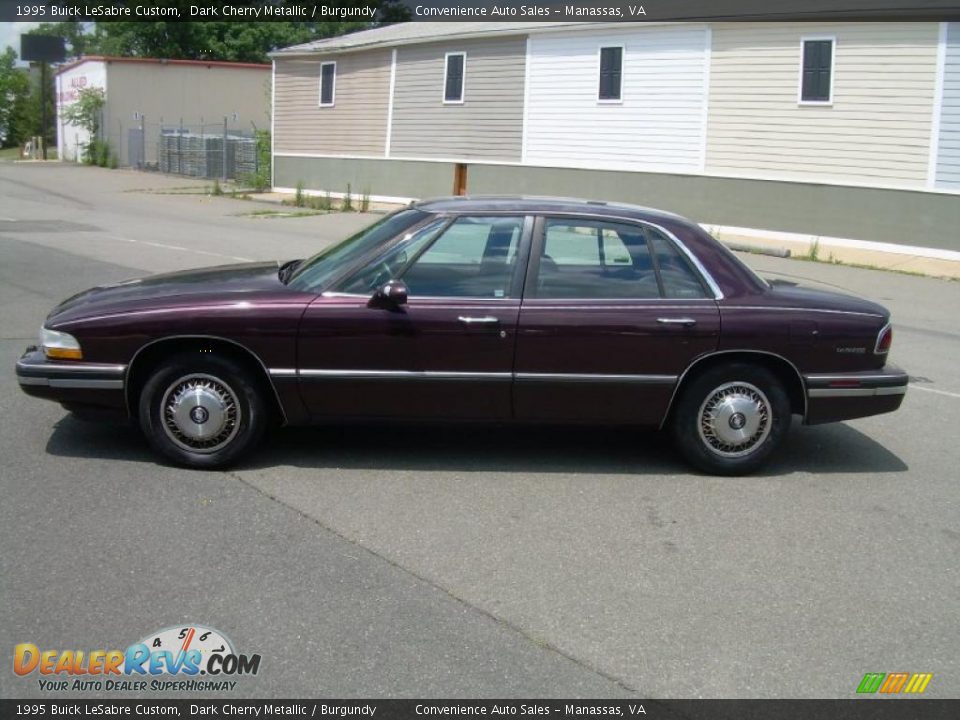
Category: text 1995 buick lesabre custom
<point>479,309</point>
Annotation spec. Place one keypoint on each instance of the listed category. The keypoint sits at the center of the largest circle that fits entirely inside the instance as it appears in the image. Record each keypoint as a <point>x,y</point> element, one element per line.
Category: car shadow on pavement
<point>826,449</point>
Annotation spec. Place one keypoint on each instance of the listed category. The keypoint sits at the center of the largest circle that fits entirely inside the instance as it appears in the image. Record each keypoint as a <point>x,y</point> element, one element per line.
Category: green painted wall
<point>379,177</point>
<point>895,216</point>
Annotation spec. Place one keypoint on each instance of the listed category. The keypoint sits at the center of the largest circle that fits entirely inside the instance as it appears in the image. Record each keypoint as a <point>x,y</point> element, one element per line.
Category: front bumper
<point>71,383</point>
<point>843,396</point>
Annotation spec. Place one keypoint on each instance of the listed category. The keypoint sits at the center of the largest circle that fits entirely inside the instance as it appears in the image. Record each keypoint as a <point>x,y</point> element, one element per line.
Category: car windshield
<point>316,271</point>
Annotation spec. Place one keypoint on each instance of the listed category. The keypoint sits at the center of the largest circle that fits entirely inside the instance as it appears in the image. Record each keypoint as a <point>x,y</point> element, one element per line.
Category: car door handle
<point>685,321</point>
<point>485,320</point>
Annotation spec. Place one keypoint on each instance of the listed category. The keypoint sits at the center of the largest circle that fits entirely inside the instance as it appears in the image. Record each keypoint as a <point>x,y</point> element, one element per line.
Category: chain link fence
<point>202,150</point>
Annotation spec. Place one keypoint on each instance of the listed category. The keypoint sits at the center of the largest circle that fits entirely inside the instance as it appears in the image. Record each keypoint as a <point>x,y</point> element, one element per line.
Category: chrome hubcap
<point>734,419</point>
<point>200,413</point>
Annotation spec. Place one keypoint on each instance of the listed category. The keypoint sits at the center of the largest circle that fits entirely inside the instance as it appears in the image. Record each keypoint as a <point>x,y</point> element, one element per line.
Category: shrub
<point>103,156</point>
<point>347,201</point>
<point>216,190</point>
<point>97,152</point>
<point>365,201</point>
<point>299,196</point>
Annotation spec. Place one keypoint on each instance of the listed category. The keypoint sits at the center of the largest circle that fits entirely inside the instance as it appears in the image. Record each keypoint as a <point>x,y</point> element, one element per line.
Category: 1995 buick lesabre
<point>503,309</point>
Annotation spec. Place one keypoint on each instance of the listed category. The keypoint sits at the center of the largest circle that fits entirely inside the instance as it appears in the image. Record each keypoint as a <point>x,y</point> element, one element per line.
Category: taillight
<point>884,340</point>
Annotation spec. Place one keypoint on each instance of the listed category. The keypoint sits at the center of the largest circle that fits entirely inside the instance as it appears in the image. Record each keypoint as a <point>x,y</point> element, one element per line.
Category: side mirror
<point>392,294</point>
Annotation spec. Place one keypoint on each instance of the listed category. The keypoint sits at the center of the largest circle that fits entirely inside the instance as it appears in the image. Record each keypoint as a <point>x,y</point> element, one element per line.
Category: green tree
<point>238,41</point>
<point>87,113</point>
<point>211,40</point>
<point>15,110</point>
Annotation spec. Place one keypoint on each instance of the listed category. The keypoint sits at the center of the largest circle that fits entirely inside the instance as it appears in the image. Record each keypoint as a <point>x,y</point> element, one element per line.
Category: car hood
<point>225,282</point>
<point>790,295</point>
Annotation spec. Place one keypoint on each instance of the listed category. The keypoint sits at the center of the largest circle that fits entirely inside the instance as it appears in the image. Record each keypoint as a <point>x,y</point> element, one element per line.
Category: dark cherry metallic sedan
<point>476,309</point>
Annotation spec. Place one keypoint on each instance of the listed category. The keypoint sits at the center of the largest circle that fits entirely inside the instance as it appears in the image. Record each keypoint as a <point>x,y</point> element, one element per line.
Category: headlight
<point>59,345</point>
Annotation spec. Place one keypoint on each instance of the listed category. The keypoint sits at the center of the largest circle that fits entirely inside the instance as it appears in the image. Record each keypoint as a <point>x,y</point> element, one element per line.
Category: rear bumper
<point>71,383</point>
<point>843,396</point>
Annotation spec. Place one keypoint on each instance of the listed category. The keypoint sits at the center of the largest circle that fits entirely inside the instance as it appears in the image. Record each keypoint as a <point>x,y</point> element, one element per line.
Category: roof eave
<point>472,35</point>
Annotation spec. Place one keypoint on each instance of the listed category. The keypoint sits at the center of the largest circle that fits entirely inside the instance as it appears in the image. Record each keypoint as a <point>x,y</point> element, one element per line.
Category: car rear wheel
<point>202,411</point>
<point>730,419</point>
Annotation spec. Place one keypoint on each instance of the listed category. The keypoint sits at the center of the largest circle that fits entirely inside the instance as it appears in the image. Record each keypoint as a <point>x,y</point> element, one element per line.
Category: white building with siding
<point>155,88</point>
<point>849,130</point>
<point>945,159</point>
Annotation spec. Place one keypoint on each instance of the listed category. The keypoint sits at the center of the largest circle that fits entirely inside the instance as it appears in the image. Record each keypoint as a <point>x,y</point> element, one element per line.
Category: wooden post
<point>460,179</point>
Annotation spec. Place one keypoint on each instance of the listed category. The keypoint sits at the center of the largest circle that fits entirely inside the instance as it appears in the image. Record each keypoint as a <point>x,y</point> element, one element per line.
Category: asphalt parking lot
<point>491,563</point>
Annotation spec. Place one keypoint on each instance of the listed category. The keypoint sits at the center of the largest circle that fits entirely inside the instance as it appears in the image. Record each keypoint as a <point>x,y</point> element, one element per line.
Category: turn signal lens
<point>63,353</point>
<point>884,340</point>
<point>60,345</point>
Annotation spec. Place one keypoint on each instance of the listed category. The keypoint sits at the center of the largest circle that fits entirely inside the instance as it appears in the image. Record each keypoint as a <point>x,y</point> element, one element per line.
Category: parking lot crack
<point>539,642</point>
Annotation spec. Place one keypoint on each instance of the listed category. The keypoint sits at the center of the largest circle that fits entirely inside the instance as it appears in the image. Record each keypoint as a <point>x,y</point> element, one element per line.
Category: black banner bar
<point>856,709</point>
<point>477,10</point>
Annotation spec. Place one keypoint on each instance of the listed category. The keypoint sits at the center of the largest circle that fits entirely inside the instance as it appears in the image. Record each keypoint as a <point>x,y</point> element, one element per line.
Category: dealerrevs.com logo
<point>183,658</point>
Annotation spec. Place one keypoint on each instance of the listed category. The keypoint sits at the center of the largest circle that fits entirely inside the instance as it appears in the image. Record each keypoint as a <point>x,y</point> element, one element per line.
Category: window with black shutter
<point>611,73</point>
<point>817,68</point>
<point>328,77</point>
<point>453,83</point>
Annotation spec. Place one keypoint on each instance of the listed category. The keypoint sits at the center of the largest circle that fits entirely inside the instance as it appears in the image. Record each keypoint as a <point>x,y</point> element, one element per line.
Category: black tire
<point>718,395</point>
<point>208,389</point>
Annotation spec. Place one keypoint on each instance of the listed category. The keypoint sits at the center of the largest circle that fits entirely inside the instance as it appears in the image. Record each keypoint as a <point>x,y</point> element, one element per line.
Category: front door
<point>446,353</point>
<point>612,314</point>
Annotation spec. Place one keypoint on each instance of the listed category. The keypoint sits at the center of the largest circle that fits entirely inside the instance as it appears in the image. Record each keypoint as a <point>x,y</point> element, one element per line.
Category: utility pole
<point>43,107</point>
<point>224,168</point>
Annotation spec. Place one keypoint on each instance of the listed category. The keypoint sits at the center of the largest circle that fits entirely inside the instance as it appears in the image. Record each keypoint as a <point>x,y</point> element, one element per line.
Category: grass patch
<point>13,153</point>
<point>183,190</point>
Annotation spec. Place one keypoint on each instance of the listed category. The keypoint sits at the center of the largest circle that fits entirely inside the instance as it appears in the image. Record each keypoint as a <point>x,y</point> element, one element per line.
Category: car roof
<point>535,204</point>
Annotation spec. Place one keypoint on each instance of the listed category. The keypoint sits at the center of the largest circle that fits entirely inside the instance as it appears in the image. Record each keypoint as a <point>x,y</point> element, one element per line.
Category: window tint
<point>678,278</point>
<point>389,265</point>
<point>817,66</point>
<point>592,260</point>
<point>315,272</point>
<point>328,74</point>
<point>453,83</point>
<point>474,257</point>
<point>611,73</point>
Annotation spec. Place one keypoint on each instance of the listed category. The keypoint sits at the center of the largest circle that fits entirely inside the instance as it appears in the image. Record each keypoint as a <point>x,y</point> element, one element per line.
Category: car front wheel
<point>730,419</point>
<point>202,411</point>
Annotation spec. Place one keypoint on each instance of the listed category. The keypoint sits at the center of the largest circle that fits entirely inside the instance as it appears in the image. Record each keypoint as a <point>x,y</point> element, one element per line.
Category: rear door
<point>612,314</point>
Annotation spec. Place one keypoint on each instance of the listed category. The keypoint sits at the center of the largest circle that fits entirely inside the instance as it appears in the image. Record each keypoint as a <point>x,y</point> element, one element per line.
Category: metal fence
<point>204,150</point>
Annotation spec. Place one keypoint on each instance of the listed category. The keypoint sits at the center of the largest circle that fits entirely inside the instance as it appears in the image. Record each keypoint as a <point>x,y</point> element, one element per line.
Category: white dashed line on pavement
<point>177,247</point>
<point>938,392</point>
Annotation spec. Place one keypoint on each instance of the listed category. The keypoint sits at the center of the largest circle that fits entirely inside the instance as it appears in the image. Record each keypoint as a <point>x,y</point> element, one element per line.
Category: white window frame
<point>623,64</point>
<point>833,69</point>
<point>463,79</point>
<point>333,90</point>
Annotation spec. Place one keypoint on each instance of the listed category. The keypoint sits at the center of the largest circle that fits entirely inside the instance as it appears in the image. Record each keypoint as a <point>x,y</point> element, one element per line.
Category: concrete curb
<point>882,256</point>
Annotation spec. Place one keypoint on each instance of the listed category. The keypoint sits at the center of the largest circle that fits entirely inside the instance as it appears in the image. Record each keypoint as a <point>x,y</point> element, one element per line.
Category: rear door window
<point>594,259</point>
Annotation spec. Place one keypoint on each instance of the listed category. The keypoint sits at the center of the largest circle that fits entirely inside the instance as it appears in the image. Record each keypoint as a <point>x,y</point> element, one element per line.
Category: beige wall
<point>190,92</point>
<point>489,123</point>
<point>877,131</point>
<point>357,122</point>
